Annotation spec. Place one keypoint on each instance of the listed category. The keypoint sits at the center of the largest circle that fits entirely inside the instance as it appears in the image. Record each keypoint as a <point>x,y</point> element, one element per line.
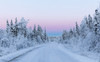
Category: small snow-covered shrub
<point>5,43</point>
<point>20,46</point>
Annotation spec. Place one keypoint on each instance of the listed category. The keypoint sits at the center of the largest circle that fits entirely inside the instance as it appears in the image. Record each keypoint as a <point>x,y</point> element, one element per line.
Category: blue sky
<point>55,15</point>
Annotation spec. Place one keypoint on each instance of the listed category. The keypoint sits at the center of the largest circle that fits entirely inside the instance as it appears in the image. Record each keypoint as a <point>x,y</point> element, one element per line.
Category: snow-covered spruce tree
<point>40,34</point>
<point>11,28</point>
<point>7,26</point>
<point>32,34</point>
<point>84,28</point>
<point>39,29</point>
<point>16,27</point>
<point>22,27</point>
<point>34,30</point>
<point>77,29</point>
<point>90,23</point>
<point>71,33</point>
<point>45,35</point>
<point>97,22</point>
<point>65,36</point>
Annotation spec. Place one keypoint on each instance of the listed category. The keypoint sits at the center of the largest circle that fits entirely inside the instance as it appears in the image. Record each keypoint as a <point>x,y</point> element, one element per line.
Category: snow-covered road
<point>52,52</point>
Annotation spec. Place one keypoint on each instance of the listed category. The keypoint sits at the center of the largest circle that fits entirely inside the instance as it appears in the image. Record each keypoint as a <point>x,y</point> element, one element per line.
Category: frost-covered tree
<point>45,35</point>
<point>11,28</point>
<point>7,27</point>
<point>17,36</point>
<point>34,30</point>
<point>84,29</point>
<point>5,43</point>
<point>71,33</point>
<point>64,35</point>
<point>22,29</point>
<point>16,27</point>
<point>90,24</point>
<point>86,36</point>
<point>77,29</point>
<point>39,30</point>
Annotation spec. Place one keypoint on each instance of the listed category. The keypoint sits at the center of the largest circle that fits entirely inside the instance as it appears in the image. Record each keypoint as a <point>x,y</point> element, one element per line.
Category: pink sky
<point>55,15</point>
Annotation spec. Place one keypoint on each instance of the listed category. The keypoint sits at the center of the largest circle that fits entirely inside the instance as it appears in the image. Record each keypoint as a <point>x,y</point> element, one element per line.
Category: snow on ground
<point>51,52</point>
<point>16,54</point>
<point>77,56</point>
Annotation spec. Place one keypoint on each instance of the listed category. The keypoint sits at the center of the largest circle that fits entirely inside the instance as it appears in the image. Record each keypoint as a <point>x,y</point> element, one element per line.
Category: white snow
<point>77,56</point>
<point>50,52</point>
<point>16,54</point>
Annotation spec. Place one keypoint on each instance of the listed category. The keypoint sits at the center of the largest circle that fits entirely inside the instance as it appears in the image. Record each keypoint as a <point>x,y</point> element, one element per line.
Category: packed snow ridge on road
<point>50,52</point>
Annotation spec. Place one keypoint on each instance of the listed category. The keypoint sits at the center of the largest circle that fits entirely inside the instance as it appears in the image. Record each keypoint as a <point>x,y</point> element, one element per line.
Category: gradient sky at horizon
<point>54,15</point>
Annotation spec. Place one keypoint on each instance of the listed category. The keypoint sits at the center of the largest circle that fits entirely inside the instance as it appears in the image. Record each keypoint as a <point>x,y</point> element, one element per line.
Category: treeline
<point>85,37</point>
<point>17,36</point>
<point>20,28</point>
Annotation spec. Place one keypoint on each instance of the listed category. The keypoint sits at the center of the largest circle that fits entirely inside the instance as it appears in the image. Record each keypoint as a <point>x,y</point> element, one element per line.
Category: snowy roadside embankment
<point>49,52</point>
<point>14,55</point>
<point>78,50</point>
<point>76,55</point>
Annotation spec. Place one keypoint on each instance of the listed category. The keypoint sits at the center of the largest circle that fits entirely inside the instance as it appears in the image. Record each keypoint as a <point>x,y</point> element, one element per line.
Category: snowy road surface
<point>52,52</point>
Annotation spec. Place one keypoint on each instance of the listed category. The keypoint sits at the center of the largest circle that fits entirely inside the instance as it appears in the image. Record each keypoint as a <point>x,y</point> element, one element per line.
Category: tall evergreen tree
<point>7,27</point>
<point>40,32</point>
<point>90,25</point>
<point>77,29</point>
<point>45,35</point>
<point>34,30</point>
<point>16,27</point>
<point>64,35</point>
<point>11,23</point>
<point>71,33</point>
<point>39,29</point>
<point>11,28</point>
